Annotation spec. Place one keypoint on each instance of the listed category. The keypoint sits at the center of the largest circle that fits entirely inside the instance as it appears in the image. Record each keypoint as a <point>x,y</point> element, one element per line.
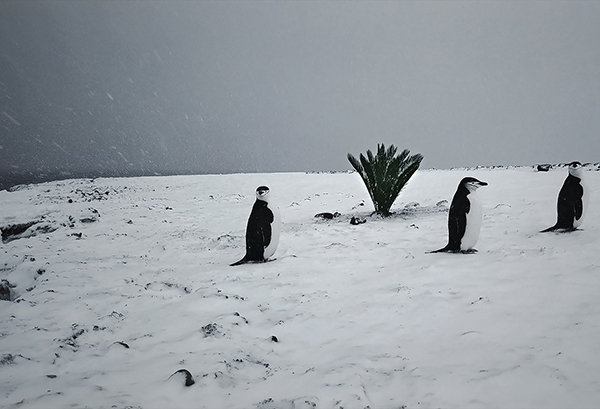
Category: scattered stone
<point>355,221</point>
<point>327,215</point>
<point>189,379</point>
<point>544,167</point>
<point>274,338</point>
<point>89,195</point>
<point>5,293</point>
<point>72,340</point>
<point>7,359</point>
<point>210,330</point>
<point>89,216</point>
<point>237,314</point>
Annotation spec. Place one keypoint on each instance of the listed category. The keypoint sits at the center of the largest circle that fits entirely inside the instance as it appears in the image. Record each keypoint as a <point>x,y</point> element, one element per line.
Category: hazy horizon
<point>96,88</point>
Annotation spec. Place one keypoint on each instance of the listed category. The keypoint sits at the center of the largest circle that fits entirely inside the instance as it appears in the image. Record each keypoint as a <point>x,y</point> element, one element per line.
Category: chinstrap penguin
<point>464,218</point>
<point>262,231</point>
<point>572,201</point>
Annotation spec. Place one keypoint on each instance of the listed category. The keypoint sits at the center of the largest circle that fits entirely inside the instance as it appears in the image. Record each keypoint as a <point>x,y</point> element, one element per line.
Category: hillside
<point>113,285</point>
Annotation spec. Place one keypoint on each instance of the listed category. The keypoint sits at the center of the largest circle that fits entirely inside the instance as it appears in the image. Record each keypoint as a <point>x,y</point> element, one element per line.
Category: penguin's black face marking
<point>262,192</point>
<point>472,184</point>
<point>575,169</point>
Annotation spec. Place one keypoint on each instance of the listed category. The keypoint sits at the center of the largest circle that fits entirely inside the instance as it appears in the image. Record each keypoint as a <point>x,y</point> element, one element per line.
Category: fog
<point>103,88</point>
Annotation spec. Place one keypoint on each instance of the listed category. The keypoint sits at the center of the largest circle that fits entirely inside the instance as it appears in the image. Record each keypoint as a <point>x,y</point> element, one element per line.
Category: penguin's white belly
<point>474,219</point>
<point>275,229</point>
<point>584,199</point>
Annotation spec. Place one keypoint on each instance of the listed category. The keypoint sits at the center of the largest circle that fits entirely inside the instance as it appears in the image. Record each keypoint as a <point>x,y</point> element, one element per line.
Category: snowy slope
<point>122,282</point>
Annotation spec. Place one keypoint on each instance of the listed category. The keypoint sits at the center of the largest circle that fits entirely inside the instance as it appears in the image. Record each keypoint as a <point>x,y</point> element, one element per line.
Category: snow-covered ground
<point>120,283</point>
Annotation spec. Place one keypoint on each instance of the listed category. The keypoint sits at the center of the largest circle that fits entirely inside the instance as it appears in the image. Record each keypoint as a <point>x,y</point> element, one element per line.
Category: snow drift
<point>118,294</point>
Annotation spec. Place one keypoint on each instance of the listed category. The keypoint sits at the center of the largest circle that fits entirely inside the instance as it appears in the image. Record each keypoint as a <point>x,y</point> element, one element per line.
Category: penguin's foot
<point>469,251</point>
<point>244,261</point>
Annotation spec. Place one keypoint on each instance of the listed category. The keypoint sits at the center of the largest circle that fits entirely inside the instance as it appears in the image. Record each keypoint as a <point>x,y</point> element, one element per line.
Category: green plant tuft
<point>385,174</point>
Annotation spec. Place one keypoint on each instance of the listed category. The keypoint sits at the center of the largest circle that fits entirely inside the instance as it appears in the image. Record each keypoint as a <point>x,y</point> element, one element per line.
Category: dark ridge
<point>10,233</point>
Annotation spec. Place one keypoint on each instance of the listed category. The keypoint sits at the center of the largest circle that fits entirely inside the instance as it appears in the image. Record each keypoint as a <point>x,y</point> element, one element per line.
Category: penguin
<point>572,200</point>
<point>262,231</point>
<point>464,218</point>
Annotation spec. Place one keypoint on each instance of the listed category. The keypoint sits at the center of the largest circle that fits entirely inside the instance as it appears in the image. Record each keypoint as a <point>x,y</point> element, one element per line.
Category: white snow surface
<point>130,282</point>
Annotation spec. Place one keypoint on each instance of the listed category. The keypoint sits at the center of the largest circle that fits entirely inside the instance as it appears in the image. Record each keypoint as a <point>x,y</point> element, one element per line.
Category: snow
<point>123,282</point>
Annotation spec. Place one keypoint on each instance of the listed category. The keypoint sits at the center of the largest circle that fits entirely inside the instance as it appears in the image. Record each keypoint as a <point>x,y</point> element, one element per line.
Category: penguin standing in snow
<point>464,218</point>
<point>572,201</point>
<point>262,232</point>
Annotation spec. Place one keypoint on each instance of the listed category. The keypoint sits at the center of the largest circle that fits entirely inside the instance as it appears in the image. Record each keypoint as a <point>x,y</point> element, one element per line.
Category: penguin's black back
<point>457,218</point>
<point>570,203</point>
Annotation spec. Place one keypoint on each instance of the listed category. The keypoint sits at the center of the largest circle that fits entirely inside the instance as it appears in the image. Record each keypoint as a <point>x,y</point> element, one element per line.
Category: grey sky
<point>91,88</point>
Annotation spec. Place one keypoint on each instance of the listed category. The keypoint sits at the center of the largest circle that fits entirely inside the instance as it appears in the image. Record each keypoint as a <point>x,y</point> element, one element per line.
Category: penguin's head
<point>575,169</point>
<point>262,193</point>
<point>472,184</point>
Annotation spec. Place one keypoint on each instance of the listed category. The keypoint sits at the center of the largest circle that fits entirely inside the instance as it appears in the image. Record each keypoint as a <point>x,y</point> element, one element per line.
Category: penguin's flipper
<point>457,224</point>
<point>264,226</point>
<point>578,203</point>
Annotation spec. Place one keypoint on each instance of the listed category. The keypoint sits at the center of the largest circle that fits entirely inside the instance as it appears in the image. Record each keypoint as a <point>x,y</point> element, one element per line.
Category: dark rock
<point>189,379</point>
<point>327,215</point>
<point>13,231</point>
<point>5,293</point>
<point>7,359</point>
<point>210,330</point>
<point>544,167</point>
<point>355,221</point>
